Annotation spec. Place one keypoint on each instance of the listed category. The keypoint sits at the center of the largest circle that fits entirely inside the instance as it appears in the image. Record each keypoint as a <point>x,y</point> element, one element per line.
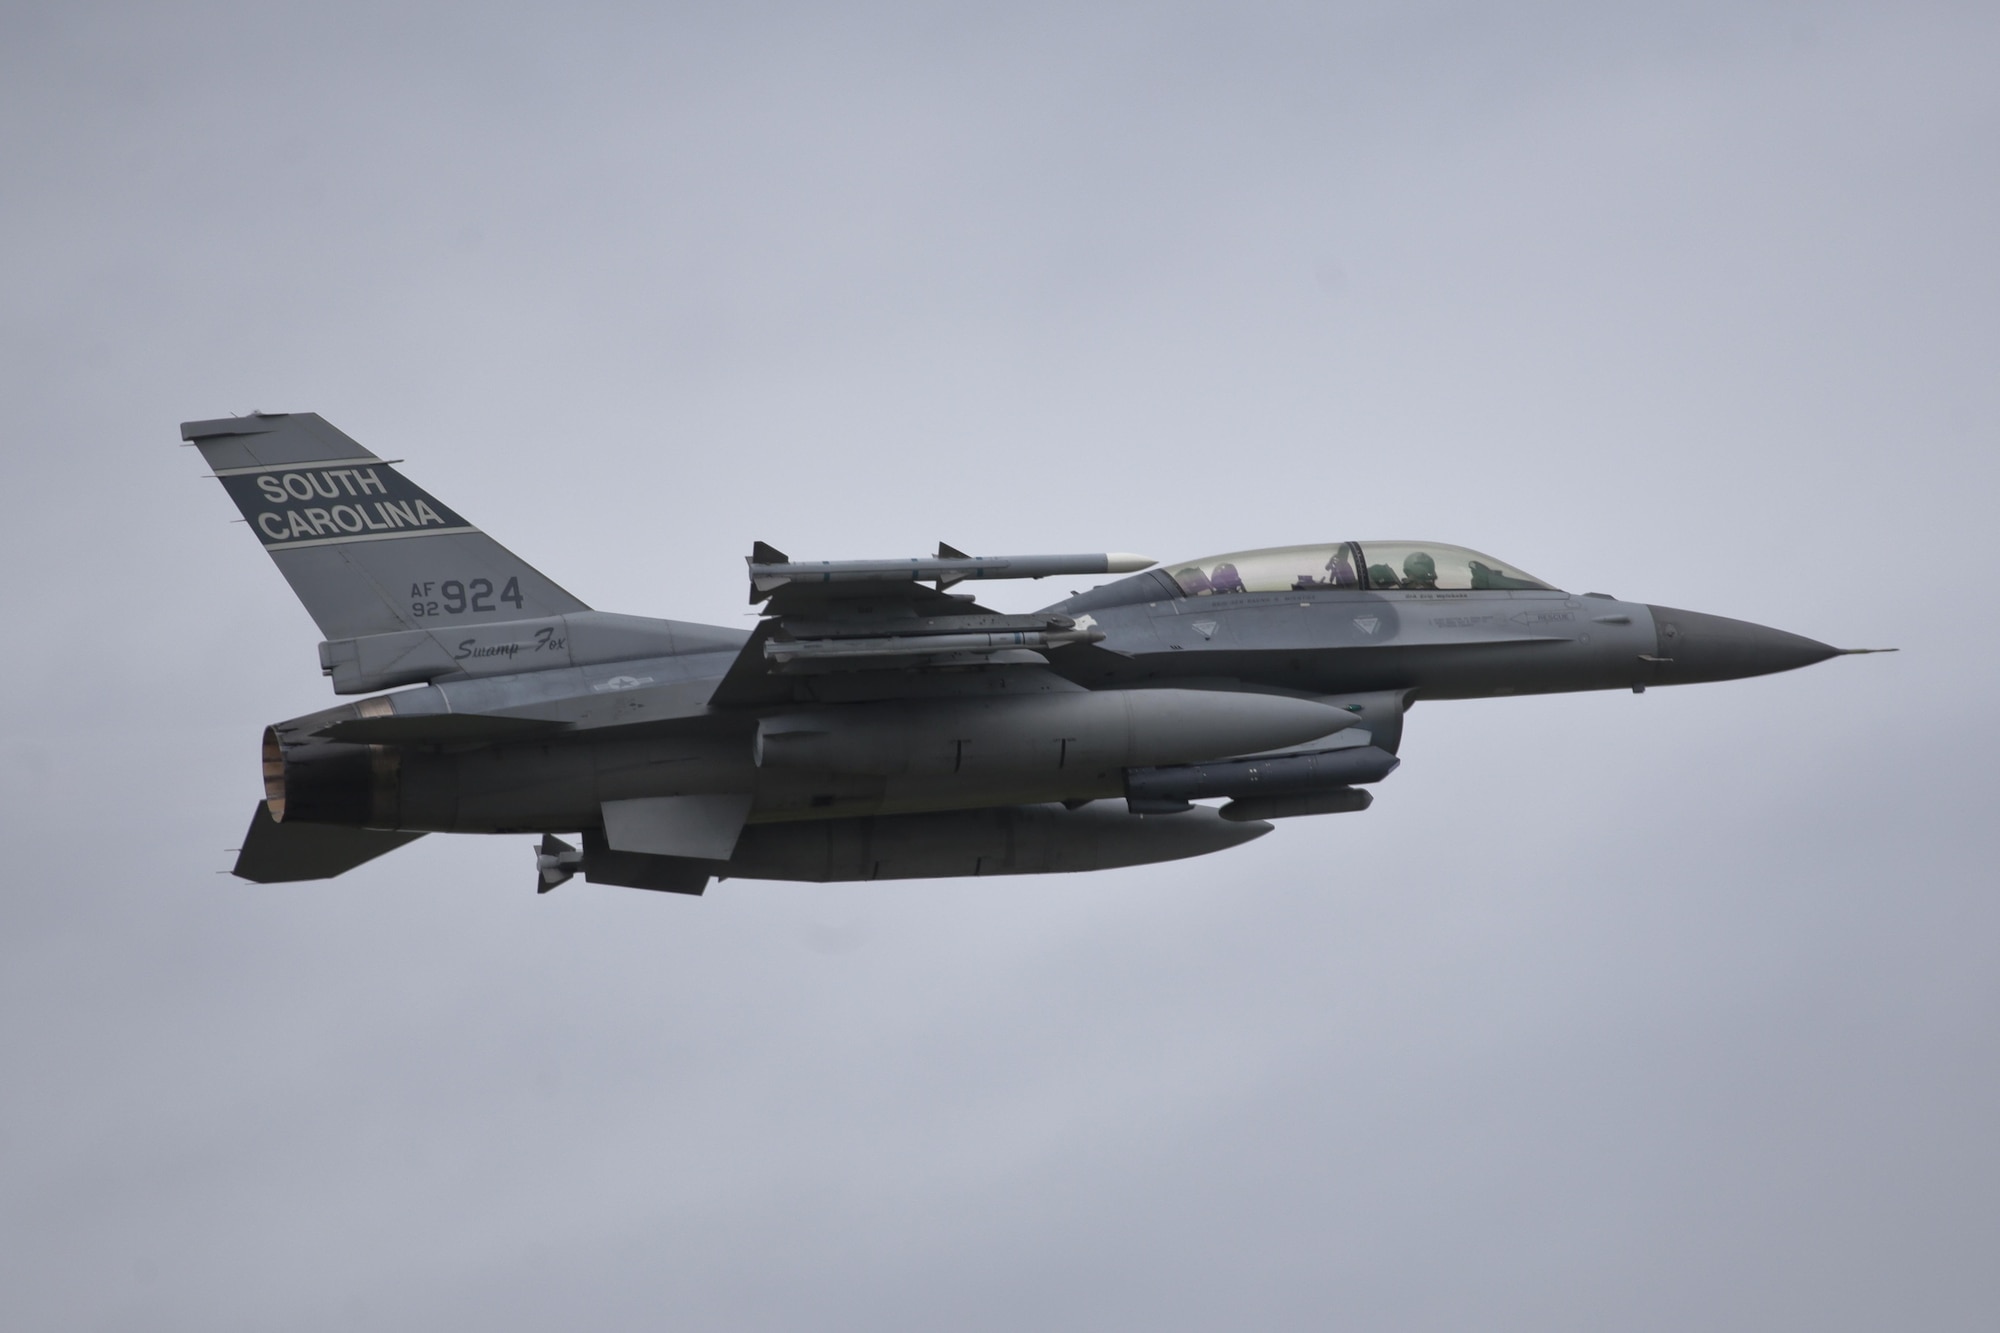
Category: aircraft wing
<point>876,623</point>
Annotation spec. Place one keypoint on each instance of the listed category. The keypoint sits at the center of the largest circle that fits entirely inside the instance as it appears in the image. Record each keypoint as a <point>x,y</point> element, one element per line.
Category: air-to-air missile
<point>875,724</point>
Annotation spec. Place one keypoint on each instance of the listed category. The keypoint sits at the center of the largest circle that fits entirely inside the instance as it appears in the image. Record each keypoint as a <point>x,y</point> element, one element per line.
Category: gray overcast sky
<point>1654,1012</point>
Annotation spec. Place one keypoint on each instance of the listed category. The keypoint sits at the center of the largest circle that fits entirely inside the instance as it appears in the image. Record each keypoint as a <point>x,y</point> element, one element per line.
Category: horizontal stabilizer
<point>275,853</point>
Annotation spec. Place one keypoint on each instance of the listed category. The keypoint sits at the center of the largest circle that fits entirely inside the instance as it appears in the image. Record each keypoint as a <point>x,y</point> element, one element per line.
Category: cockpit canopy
<point>1361,566</point>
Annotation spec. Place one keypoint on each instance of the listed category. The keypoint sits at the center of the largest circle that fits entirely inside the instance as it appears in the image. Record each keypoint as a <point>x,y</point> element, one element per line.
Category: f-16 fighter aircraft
<point>875,724</point>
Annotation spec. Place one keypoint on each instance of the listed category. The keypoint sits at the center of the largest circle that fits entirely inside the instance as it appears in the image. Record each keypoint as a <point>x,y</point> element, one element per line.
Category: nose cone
<point>1694,647</point>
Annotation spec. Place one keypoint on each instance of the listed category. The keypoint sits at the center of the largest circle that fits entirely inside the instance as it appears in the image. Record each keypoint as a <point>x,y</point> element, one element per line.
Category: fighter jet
<point>876,724</point>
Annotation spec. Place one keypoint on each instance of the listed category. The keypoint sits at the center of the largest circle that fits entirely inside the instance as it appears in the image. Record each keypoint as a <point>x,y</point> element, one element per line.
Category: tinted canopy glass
<point>1375,566</point>
<point>1279,569</point>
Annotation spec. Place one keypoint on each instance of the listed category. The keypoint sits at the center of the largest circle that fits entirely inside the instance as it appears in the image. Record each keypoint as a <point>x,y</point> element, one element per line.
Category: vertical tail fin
<point>366,549</point>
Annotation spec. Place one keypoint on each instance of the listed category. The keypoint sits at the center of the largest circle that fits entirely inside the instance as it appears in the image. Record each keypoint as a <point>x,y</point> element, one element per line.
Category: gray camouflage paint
<point>914,734</point>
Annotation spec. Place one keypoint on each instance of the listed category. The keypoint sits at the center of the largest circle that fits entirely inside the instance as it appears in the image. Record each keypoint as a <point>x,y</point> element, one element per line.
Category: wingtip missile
<point>947,567</point>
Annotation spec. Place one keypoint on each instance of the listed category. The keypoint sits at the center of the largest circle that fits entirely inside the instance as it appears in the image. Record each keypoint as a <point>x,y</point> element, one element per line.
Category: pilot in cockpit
<point>1419,571</point>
